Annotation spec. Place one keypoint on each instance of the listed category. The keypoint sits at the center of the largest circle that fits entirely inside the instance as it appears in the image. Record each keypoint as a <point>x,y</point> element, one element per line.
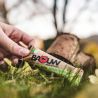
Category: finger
<point>3,53</point>
<point>16,61</point>
<point>22,44</point>
<point>13,47</point>
<point>16,34</point>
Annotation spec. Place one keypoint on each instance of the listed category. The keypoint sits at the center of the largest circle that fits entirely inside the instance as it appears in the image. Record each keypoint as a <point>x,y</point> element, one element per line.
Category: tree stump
<point>67,46</point>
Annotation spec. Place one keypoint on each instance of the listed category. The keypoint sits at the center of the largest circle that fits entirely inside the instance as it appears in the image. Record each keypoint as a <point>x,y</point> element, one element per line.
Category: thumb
<point>18,50</point>
<point>11,46</point>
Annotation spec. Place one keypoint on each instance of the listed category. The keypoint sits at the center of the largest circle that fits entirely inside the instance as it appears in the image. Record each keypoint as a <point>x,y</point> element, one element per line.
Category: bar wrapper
<point>50,63</point>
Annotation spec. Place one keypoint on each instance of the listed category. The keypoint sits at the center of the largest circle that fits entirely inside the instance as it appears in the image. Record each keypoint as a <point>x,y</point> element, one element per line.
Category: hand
<point>9,38</point>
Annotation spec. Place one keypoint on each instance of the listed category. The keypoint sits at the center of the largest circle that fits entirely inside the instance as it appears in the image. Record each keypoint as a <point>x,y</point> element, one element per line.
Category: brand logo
<point>45,60</point>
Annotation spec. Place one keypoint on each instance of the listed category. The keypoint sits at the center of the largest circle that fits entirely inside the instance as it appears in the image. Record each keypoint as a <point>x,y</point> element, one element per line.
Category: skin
<point>9,39</point>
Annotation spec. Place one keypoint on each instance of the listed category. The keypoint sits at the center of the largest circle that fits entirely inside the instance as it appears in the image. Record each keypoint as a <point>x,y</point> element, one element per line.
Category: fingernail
<point>24,52</point>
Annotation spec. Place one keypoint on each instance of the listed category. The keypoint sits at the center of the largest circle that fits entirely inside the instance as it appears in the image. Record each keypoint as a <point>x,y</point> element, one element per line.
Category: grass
<point>34,83</point>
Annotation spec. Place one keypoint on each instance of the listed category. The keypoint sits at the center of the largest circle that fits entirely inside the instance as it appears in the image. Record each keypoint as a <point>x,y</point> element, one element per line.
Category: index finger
<point>16,34</point>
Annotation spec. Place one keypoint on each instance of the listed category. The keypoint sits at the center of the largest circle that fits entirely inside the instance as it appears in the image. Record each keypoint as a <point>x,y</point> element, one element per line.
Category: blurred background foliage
<point>92,48</point>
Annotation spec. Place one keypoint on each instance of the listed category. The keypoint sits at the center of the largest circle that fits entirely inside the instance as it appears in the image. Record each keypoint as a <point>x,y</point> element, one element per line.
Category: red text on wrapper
<point>45,60</point>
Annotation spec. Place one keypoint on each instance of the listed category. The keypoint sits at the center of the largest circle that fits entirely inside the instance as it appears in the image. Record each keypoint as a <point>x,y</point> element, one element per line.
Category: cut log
<point>85,61</point>
<point>68,46</point>
<point>65,45</point>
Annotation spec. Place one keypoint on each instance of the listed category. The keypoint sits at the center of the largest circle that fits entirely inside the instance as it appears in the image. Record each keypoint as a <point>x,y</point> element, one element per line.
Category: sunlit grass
<point>34,83</point>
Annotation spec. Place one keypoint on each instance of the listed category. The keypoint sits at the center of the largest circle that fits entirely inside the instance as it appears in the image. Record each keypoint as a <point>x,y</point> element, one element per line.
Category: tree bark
<point>3,12</point>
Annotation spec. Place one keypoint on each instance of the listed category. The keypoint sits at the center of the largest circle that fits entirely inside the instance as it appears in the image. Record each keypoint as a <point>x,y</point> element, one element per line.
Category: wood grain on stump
<point>65,45</point>
<point>68,46</point>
